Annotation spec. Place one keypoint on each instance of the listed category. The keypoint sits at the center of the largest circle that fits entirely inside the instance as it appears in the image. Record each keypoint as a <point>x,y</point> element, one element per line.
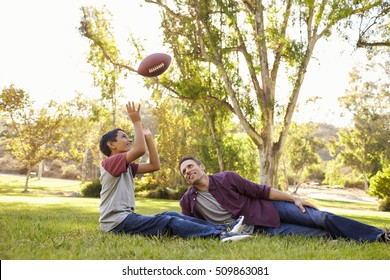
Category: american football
<point>154,64</point>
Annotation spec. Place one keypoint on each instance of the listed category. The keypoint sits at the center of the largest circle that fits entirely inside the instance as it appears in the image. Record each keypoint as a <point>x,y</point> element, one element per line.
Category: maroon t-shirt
<point>239,196</point>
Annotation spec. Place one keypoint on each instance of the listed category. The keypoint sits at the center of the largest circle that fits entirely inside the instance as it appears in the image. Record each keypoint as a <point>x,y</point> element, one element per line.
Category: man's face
<point>122,144</point>
<point>191,171</point>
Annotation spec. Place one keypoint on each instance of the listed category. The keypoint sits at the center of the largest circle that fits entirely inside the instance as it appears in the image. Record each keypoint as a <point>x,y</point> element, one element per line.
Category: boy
<point>117,195</point>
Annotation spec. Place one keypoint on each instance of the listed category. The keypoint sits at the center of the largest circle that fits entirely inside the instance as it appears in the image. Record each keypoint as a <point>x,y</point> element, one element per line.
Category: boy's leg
<point>165,224</point>
<point>193,219</point>
<point>234,226</point>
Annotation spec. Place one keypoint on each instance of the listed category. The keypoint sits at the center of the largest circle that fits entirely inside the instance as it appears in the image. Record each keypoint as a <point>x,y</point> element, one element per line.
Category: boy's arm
<point>154,161</point>
<point>138,148</point>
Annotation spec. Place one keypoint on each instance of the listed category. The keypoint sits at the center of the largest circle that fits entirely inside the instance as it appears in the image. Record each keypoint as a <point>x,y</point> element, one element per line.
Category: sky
<point>42,52</point>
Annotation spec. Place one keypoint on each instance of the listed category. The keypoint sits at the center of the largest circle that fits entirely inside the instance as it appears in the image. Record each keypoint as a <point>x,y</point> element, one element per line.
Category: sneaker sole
<point>235,238</point>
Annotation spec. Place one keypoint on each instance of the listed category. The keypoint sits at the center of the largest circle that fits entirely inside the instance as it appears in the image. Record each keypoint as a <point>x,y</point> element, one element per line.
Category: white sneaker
<point>229,236</point>
<point>236,226</point>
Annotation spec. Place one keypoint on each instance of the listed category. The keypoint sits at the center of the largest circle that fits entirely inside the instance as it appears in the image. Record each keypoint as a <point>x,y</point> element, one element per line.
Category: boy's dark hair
<point>108,136</point>
<point>189,157</point>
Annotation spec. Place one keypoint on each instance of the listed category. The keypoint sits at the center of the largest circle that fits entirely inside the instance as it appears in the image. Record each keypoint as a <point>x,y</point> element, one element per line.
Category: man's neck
<point>202,184</point>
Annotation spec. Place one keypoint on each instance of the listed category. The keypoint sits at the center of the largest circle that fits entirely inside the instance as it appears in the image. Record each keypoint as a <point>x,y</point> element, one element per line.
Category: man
<point>117,207</point>
<point>224,196</point>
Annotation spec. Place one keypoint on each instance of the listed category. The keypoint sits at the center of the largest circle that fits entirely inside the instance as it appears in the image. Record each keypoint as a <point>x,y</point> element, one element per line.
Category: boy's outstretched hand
<point>133,112</point>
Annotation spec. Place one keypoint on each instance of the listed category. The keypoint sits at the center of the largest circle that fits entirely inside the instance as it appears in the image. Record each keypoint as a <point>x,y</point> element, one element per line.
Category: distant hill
<point>326,131</point>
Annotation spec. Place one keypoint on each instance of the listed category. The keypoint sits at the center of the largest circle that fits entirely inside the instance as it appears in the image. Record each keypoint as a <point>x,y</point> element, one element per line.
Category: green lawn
<point>45,225</point>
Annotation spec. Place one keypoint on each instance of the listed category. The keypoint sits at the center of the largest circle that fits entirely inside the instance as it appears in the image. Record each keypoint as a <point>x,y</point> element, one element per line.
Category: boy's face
<point>122,144</point>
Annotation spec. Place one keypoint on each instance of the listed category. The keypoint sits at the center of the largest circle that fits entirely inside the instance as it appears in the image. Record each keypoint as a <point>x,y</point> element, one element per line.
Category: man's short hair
<point>189,157</point>
<point>108,136</point>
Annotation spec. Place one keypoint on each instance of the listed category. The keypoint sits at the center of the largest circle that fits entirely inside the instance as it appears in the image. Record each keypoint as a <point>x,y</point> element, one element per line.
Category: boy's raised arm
<point>138,148</point>
<point>154,160</point>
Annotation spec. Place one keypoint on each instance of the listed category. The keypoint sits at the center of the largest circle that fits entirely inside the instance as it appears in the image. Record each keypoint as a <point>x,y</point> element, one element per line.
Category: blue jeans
<point>169,223</point>
<point>319,223</point>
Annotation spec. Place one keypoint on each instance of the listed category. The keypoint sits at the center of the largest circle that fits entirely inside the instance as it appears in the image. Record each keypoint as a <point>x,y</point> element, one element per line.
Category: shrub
<point>380,184</point>
<point>146,182</point>
<point>167,193</point>
<point>315,173</point>
<point>357,184</point>
<point>333,175</point>
<point>70,171</point>
<point>384,205</point>
<point>92,189</point>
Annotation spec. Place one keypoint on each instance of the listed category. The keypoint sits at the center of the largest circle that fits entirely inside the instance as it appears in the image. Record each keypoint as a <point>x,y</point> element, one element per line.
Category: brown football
<point>154,64</point>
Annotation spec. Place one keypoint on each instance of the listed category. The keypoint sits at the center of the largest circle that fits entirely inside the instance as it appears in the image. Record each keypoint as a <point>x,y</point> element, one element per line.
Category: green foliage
<point>103,55</point>
<point>175,137</point>
<point>223,52</point>
<point>380,184</point>
<point>315,173</point>
<point>366,146</point>
<point>36,134</point>
<point>357,183</point>
<point>300,152</point>
<point>333,175</point>
<point>14,99</point>
<point>70,171</point>
<point>241,155</point>
<point>384,204</point>
<point>92,189</point>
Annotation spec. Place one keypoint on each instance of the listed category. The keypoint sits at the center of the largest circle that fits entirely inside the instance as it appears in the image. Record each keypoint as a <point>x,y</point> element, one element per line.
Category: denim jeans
<point>319,223</point>
<point>170,223</point>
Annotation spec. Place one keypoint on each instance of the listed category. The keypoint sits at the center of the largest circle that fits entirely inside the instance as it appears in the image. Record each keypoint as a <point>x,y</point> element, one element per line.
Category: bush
<point>384,205</point>
<point>167,193</point>
<point>333,174</point>
<point>146,183</point>
<point>380,184</point>
<point>314,173</point>
<point>92,189</point>
<point>70,171</point>
<point>356,184</point>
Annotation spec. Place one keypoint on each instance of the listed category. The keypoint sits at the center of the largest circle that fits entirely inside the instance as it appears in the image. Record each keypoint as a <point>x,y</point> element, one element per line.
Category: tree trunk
<point>299,181</point>
<point>269,162</point>
<point>27,178</point>
<point>40,169</point>
<point>285,173</point>
<point>366,185</point>
<point>83,166</point>
<point>215,138</point>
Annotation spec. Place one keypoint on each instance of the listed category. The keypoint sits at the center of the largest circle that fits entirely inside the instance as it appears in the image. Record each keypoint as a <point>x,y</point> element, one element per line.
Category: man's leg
<point>336,226</point>
<point>290,229</point>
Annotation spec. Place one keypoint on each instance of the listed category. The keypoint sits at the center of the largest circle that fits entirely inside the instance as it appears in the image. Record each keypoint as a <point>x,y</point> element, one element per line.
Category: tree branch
<point>279,49</point>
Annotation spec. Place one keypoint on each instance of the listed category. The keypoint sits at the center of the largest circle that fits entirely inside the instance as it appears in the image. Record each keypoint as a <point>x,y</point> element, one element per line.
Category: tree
<point>248,46</point>
<point>172,143</point>
<point>300,153</point>
<point>374,28</point>
<point>95,26</point>
<point>86,122</point>
<point>103,51</point>
<point>36,133</point>
<point>366,146</point>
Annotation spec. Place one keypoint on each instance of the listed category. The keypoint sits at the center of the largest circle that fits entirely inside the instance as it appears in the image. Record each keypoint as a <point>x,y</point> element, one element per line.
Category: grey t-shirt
<point>117,194</point>
<point>210,209</point>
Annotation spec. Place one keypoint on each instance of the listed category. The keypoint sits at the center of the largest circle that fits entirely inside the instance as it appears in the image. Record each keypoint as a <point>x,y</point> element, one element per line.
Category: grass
<point>46,226</point>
